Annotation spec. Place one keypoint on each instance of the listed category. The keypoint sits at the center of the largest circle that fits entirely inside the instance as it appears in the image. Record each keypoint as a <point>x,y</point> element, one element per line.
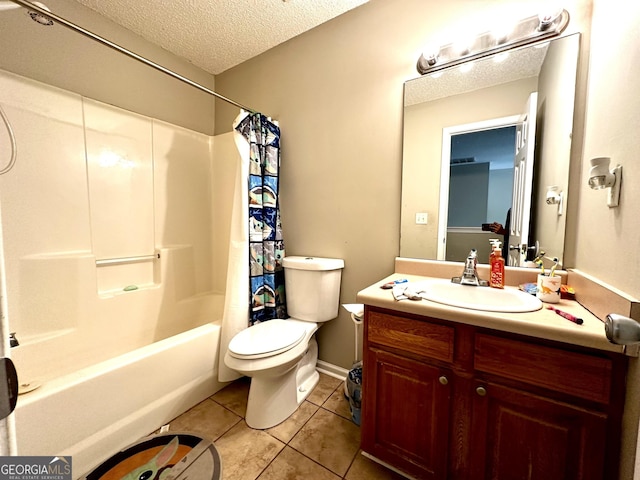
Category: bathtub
<point>92,413</point>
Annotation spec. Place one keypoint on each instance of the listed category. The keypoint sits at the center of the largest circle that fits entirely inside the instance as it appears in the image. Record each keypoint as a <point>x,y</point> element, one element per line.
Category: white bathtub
<point>92,413</point>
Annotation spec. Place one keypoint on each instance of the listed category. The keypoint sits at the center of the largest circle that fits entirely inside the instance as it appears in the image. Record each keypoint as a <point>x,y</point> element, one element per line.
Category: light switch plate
<point>421,218</point>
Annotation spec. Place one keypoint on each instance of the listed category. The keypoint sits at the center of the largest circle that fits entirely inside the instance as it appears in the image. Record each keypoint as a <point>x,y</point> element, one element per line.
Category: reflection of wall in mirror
<point>556,92</point>
<point>468,194</point>
<point>422,154</point>
<point>460,243</point>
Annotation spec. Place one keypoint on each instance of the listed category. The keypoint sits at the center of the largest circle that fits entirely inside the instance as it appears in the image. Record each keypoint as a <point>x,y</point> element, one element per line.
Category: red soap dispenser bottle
<point>496,276</point>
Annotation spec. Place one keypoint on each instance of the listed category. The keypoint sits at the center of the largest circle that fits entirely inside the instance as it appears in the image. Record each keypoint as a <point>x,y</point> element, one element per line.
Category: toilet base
<point>273,399</point>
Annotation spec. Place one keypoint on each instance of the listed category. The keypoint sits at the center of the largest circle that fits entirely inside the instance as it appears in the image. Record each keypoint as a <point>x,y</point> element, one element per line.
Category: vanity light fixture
<point>529,30</point>
<point>601,177</point>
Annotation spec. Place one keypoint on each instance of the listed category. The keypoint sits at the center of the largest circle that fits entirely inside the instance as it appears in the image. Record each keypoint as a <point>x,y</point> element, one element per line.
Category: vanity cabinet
<point>407,399</point>
<point>446,400</point>
<point>521,435</point>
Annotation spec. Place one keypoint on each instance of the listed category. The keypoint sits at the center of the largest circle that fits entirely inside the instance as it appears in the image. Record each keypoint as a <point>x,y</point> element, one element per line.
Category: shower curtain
<point>255,276</point>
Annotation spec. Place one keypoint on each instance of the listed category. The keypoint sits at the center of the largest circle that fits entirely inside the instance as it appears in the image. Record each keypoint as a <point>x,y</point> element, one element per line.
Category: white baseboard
<point>332,370</point>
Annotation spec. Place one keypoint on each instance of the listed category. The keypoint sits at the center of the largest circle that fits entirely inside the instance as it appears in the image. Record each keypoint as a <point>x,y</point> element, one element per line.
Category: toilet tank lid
<point>312,263</point>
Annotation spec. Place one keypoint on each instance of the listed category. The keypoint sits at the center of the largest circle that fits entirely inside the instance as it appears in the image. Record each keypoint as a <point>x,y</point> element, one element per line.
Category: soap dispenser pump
<point>493,242</point>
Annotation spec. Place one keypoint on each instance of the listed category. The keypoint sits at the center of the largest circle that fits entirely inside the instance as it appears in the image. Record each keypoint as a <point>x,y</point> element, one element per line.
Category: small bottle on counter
<point>496,267</point>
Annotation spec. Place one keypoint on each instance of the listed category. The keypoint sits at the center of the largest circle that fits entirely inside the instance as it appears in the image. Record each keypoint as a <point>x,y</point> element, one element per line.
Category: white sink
<point>507,300</point>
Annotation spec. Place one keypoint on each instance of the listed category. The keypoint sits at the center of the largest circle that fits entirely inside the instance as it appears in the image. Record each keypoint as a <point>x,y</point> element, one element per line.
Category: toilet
<point>280,355</point>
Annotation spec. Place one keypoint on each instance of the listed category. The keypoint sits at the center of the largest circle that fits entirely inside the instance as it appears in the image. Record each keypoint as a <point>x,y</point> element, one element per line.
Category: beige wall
<point>63,58</point>
<point>337,91</point>
<point>608,240</point>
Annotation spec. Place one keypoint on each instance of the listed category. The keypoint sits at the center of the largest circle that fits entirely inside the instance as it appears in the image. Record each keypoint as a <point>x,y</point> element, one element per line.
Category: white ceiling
<point>216,35</point>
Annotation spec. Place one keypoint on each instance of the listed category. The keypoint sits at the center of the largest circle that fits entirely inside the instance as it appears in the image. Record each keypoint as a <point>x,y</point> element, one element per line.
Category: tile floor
<point>319,441</point>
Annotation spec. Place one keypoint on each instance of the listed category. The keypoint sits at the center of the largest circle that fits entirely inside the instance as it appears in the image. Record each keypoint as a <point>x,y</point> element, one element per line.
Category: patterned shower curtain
<point>266,246</point>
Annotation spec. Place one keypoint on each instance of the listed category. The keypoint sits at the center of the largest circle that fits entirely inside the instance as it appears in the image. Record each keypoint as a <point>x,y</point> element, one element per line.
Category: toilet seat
<point>267,339</point>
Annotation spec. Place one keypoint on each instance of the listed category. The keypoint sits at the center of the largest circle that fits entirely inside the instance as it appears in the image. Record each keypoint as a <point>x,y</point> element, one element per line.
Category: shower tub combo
<point>115,294</point>
<point>92,413</point>
<point>91,397</point>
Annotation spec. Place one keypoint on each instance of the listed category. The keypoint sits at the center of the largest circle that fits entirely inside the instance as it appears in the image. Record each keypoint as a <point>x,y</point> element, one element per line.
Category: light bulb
<point>430,54</point>
<point>547,17</point>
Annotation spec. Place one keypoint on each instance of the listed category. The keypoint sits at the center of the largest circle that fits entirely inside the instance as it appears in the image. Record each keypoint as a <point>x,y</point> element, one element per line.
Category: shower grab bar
<point>116,261</point>
<point>123,50</point>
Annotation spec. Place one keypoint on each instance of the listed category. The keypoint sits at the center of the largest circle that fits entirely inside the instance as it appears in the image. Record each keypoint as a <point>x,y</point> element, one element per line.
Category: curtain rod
<point>129,53</point>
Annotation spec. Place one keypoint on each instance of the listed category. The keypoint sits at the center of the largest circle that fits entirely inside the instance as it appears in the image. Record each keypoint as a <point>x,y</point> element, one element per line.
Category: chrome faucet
<point>470,272</point>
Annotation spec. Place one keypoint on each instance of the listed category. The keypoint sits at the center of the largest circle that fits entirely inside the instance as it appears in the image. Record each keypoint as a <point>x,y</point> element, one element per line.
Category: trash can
<point>354,389</point>
<point>353,382</point>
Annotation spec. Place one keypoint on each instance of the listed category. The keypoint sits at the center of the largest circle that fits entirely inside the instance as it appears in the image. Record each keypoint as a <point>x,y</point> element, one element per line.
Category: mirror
<point>491,91</point>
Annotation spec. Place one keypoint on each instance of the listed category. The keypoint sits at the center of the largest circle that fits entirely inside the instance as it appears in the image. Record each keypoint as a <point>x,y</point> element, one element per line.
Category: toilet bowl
<point>280,379</point>
<point>280,355</point>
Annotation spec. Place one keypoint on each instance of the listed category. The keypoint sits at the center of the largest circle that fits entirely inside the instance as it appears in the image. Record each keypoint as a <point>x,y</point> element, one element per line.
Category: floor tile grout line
<point>272,460</point>
<point>225,407</point>
<point>341,416</point>
<point>318,463</point>
<point>303,425</point>
<point>353,460</point>
<point>323,404</point>
<point>342,395</point>
<point>313,460</point>
<point>240,419</point>
<point>288,443</point>
<point>227,430</point>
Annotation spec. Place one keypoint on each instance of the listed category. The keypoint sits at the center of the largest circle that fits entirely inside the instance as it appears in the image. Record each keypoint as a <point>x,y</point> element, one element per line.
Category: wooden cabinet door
<point>518,435</point>
<point>406,413</point>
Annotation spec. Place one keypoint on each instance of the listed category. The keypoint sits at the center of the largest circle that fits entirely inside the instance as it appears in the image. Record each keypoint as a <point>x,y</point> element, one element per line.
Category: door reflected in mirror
<point>436,107</point>
<point>480,161</point>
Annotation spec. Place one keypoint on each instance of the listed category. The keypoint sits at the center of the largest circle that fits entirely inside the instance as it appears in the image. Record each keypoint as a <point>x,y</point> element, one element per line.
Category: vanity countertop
<point>543,323</point>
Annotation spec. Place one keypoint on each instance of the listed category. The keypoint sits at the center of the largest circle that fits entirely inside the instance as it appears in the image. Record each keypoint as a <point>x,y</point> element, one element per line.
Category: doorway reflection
<point>480,189</point>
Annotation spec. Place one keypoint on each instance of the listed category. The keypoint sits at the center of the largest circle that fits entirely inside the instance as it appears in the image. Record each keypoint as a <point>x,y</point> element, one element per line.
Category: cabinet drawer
<point>577,374</point>
<point>423,338</point>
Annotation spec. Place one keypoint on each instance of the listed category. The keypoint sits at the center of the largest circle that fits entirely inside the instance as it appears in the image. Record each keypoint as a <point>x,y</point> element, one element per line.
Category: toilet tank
<point>312,286</point>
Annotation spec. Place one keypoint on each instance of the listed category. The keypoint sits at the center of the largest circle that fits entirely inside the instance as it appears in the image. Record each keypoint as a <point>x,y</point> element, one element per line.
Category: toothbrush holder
<point>549,288</point>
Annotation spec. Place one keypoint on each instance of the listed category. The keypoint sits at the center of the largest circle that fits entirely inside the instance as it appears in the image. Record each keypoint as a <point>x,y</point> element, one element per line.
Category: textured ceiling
<point>216,35</point>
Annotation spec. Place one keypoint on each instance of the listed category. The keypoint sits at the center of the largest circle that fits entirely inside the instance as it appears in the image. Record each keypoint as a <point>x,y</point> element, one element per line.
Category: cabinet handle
<point>443,380</point>
<point>481,391</point>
